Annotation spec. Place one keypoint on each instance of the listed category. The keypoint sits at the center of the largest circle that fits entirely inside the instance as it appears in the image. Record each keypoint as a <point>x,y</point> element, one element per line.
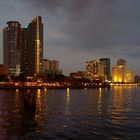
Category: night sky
<point>79,30</point>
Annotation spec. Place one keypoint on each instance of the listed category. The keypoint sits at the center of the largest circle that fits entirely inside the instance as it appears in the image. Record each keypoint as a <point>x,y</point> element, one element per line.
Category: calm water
<point>85,114</point>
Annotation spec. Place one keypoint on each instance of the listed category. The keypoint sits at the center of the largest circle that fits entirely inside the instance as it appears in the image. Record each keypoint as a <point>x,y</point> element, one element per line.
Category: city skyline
<point>78,31</point>
<point>23,47</point>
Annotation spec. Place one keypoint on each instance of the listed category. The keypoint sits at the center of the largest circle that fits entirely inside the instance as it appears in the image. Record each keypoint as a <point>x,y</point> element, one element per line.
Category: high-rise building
<point>25,53</point>
<point>89,70</point>
<point>12,47</point>
<point>100,70</point>
<point>51,67</point>
<point>54,65</point>
<point>121,62</point>
<point>129,76</point>
<point>36,46</point>
<point>23,47</point>
<point>106,62</point>
<point>46,66</point>
<point>120,73</point>
<point>95,70</point>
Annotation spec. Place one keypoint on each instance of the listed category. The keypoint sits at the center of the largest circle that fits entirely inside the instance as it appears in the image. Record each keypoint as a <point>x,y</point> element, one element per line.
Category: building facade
<point>25,52</point>
<point>4,70</point>
<point>78,75</point>
<point>46,65</point>
<point>89,70</point>
<point>120,73</point>
<point>121,62</point>
<point>129,76</point>
<point>106,62</point>
<point>35,32</point>
<point>23,47</point>
<point>95,70</point>
<point>12,47</point>
<point>51,67</point>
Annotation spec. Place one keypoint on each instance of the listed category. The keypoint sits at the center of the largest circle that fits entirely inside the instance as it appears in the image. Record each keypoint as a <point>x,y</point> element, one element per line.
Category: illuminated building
<point>12,47</point>
<point>106,62</point>
<point>118,74</point>
<point>36,46</point>
<point>32,48</point>
<point>95,70</point>
<point>100,70</point>
<point>23,47</point>
<point>129,76</point>
<point>89,70</point>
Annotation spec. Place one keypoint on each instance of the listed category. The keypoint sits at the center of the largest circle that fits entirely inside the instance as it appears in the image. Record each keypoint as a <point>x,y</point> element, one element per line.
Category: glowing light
<point>26,26</point>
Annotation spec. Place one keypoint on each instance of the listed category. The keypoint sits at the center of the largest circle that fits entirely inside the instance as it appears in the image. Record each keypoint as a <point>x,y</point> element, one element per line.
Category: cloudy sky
<point>79,30</point>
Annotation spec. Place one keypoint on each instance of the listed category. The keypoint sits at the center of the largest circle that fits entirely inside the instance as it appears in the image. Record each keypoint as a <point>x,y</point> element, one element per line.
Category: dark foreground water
<point>85,114</point>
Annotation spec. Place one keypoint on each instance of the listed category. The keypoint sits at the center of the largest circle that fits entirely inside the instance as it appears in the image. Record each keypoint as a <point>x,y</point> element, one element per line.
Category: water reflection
<point>38,100</point>
<point>29,98</point>
<point>38,106</point>
<point>121,105</point>
<point>67,108</point>
<point>70,114</point>
<point>100,100</point>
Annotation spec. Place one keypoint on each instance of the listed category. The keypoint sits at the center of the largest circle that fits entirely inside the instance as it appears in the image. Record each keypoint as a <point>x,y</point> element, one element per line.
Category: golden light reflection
<point>17,95</point>
<point>121,103</point>
<point>17,90</point>
<point>38,106</point>
<point>100,108</point>
<point>45,90</point>
<point>67,109</point>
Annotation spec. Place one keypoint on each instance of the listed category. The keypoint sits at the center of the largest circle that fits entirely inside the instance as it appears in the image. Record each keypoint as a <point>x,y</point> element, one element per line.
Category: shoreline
<point>42,87</point>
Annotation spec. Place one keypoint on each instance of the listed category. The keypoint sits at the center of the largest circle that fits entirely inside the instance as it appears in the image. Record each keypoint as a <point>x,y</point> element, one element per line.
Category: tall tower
<point>89,70</point>
<point>36,46</point>
<point>106,62</point>
<point>25,53</point>
<point>121,62</point>
<point>12,46</point>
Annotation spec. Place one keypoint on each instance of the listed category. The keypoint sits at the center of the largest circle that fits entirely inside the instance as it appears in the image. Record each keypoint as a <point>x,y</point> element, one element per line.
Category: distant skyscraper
<point>95,70</point>
<point>121,62</point>
<point>51,67</point>
<point>129,76</point>
<point>12,47</point>
<point>106,62</point>
<point>89,70</point>
<point>101,70</point>
<point>120,73</point>
<point>46,66</point>
<point>54,65</point>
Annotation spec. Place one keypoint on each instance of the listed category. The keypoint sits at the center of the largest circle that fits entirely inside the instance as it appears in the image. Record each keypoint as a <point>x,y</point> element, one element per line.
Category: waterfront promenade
<point>59,85</point>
